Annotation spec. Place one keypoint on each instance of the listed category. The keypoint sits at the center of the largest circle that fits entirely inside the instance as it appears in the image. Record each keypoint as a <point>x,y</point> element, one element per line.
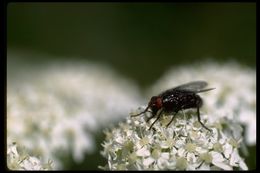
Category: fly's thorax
<point>178,100</point>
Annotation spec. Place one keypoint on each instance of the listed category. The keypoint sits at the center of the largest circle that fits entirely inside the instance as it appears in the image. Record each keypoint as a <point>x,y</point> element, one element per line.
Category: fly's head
<point>155,104</point>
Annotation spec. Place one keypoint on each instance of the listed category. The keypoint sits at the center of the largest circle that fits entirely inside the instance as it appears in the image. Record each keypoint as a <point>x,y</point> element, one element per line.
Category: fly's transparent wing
<point>195,86</point>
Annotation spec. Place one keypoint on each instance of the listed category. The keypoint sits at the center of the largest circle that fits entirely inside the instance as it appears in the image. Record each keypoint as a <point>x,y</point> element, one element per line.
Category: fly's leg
<point>150,116</point>
<point>159,115</point>
<point>171,119</point>
<point>198,113</point>
<point>146,110</point>
<point>184,114</point>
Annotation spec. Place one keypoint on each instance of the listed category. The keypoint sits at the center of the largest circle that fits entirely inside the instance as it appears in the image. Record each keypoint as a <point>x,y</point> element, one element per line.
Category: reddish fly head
<point>155,104</point>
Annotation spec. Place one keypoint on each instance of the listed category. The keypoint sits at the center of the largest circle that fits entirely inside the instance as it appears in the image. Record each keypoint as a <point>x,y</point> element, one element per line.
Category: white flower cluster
<point>18,159</point>
<point>58,108</point>
<point>234,96</point>
<point>184,145</point>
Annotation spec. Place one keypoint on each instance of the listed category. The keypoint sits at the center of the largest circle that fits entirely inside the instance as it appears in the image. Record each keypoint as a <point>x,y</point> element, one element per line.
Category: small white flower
<point>148,161</point>
<point>219,161</point>
<point>227,149</point>
<point>236,160</point>
<point>143,152</point>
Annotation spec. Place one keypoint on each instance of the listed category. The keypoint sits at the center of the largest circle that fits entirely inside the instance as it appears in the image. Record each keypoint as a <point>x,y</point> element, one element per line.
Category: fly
<point>179,98</point>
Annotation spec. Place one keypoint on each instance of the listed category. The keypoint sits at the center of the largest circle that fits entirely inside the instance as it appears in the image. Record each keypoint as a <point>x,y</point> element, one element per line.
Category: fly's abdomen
<point>190,100</point>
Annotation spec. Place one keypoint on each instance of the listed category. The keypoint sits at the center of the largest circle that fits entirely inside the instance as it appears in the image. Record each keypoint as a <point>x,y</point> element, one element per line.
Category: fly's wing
<point>195,86</point>
<point>192,86</point>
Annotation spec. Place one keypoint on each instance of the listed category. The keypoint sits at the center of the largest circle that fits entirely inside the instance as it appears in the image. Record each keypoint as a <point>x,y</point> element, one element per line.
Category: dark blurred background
<point>139,40</point>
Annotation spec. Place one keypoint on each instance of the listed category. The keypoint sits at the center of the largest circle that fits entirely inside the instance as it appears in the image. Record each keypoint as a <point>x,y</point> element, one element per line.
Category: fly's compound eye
<point>156,102</point>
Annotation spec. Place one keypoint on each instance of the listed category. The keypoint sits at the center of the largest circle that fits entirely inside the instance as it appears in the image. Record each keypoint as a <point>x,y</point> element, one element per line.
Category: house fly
<point>178,98</point>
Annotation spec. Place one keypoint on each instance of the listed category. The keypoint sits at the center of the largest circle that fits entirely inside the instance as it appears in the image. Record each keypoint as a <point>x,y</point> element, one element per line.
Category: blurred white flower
<point>22,161</point>
<point>234,96</point>
<point>57,108</point>
<point>184,145</point>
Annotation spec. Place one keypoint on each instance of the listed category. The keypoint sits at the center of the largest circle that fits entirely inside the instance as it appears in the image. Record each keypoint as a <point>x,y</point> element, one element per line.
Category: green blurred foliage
<point>139,40</point>
<point>251,158</point>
